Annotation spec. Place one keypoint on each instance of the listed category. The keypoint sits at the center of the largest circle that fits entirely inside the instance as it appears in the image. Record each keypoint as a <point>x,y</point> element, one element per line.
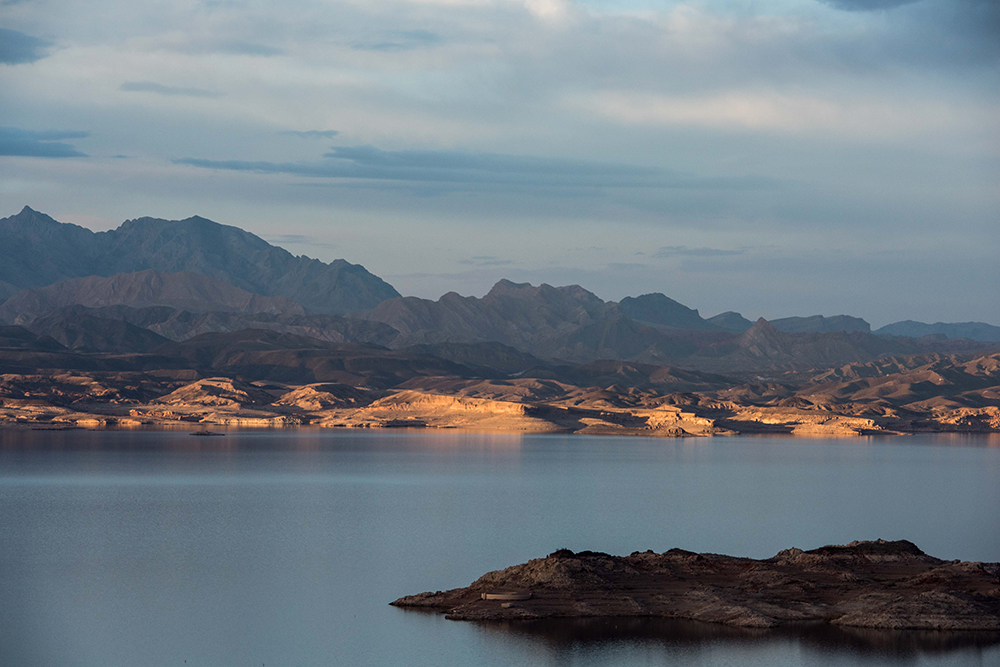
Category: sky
<point>772,157</point>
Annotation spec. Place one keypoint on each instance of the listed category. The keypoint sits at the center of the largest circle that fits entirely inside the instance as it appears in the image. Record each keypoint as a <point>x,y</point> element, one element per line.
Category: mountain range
<point>182,322</point>
<point>149,282</point>
<point>970,330</point>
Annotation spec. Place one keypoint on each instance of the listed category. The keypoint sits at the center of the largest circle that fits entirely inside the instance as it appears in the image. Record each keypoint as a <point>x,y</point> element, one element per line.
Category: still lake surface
<point>283,548</point>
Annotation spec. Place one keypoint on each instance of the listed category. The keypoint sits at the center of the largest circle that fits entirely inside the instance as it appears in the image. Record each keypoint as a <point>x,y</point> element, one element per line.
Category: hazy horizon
<point>775,158</point>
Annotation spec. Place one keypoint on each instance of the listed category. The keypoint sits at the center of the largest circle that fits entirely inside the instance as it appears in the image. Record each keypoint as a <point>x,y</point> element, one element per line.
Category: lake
<point>282,548</point>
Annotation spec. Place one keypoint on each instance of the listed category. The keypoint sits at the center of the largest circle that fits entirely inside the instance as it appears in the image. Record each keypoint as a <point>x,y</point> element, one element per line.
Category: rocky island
<point>872,584</point>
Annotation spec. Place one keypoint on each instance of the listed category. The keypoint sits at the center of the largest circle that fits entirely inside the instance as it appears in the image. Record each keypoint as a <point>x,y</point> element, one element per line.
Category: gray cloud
<point>456,167</point>
<point>297,239</point>
<point>160,89</point>
<point>684,251</point>
<point>18,48</point>
<point>866,5</point>
<point>247,48</point>
<point>311,134</point>
<point>401,40</point>
<point>486,260</point>
<point>204,46</point>
<point>45,143</point>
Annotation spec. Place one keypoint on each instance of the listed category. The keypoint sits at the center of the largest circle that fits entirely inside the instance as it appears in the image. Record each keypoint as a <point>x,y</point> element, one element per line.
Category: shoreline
<point>500,406</point>
<point>224,428</point>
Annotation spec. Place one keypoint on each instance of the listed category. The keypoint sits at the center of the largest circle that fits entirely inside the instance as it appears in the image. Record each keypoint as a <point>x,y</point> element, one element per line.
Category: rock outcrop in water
<point>876,584</point>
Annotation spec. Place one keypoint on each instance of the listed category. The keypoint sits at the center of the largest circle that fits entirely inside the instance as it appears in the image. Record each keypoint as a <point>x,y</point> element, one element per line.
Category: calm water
<point>284,548</point>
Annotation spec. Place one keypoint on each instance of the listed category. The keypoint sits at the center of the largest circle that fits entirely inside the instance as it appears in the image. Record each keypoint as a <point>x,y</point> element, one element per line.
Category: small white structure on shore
<point>507,595</point>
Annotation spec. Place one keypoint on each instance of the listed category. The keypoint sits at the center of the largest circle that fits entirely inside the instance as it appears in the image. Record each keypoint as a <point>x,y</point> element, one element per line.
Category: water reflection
<point>150,547</point>
<point>290,439</point>
<point>562,636</point>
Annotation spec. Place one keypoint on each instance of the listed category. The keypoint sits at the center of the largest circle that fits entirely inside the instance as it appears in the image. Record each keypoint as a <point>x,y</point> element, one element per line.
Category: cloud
<point>311,134</point>
<point>16,48</point>
<point>45,143</point>
<point>160,89</point>
<point>866,5</point>
<point>401,40</point>
<point>486,260</point>
<point>246,48</point>
<point>194,45</point>
<point>297,239</point>
<point>458,167</point>
<point>684,251</point>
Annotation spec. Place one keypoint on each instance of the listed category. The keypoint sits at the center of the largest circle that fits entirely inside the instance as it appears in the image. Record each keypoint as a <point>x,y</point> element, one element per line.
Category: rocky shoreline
<point>880,584</point>
<point>513,406</point>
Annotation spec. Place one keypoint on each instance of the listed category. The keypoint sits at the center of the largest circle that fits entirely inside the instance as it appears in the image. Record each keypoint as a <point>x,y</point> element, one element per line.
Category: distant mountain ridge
<point>151,280</point>
<point>730,321</point>
<point>821,324</point>
<point>971,330</point>
<point>573,325</point>
<point>36,251</point>
<point>661,310</point>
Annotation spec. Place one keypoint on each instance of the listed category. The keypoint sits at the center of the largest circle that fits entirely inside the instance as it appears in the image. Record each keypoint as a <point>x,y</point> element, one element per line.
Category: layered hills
<point>574,325</point>
<point>108,327</point>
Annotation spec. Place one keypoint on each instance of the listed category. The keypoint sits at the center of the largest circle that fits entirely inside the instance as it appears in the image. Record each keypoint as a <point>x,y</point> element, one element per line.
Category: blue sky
<point>775,158</point>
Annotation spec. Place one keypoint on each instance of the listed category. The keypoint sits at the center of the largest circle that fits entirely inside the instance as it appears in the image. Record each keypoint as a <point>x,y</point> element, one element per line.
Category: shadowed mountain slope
<point>185,290</point>
<point>764,347</point>
<point>178,325</point>
<point>280,357</point>
<point>570,324</point>
<point>36,251</point>
<point>96,334</point>
<point>20,338</point>
<point>730,321</point>
<point>519,315</point>
<point>661,310</point>
<point>821,324</point>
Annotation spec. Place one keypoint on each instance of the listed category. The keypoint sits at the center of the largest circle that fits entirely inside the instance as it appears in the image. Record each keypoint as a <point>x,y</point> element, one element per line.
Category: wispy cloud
<point>486,260</point>
<point>160,89</point>
<point>18,48</point>
<point>297,240</point>
<point>368,162</point>
<point>243,48</point>
<point>401,40</point>
<point>866,5</point>
<point>684,251</point>
<point>311,134</point>
<point>45,143</point>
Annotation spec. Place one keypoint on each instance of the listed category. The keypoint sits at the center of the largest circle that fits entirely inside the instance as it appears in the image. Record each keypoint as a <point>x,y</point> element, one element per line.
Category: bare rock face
<point>324,396</point>
<point>879,584</point>
<point>217,392</point>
